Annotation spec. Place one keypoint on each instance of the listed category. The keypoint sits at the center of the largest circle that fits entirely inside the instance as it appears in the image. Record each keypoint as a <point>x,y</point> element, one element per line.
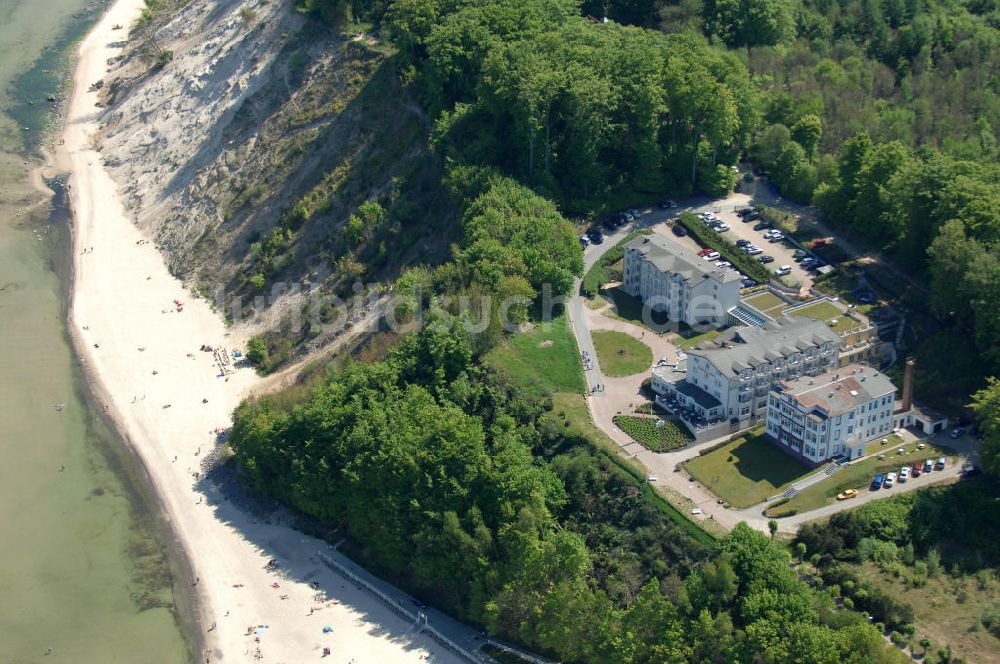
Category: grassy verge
<point>601,272</point>
<point>706,237</point>
<point>644,430</point>
<point>523,360</point>
<point>688,339</point>
<point>631,309</point>
<point>543,360</point>
<point>746,471</point>
<point>859,476</point>
<point>620,354</point>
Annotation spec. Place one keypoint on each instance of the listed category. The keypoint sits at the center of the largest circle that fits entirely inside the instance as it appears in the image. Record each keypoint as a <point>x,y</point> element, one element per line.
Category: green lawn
<point>643,430</point>
<point>828,311</point>
<point>765,301</point>
<point>688,339</point>
<point>823,310</point>
<point>746,471</point>
<point>543,360</point>
<point>859,476</point>
<point>621,354</point>
<point>629,308</point>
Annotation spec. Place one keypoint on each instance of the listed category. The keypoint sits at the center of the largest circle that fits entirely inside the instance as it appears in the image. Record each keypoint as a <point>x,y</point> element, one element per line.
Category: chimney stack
<point>908,385</point>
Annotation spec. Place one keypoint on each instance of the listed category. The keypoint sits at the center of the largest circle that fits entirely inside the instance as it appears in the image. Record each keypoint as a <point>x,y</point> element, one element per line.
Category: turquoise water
<point>84,567</point>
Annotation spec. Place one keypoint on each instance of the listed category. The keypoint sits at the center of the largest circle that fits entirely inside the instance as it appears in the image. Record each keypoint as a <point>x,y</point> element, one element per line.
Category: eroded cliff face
<point>244,135</point>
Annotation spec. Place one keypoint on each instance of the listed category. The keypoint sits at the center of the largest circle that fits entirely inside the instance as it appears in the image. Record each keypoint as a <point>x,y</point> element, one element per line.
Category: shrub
<point>257,353</point>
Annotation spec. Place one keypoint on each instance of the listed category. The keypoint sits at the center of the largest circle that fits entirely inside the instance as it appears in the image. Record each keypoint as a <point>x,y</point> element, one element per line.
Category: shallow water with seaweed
<point>85,567</point>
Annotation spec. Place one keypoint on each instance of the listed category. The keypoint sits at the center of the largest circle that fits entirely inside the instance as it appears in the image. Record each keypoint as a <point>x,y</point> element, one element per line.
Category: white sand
<point>121,291</point>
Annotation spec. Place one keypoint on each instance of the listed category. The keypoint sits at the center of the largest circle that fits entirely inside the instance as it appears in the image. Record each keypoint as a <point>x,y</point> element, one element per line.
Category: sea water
<point>83,565</point>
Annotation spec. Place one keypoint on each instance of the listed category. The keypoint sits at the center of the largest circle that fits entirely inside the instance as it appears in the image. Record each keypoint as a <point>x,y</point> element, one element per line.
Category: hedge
<point>706,237</point>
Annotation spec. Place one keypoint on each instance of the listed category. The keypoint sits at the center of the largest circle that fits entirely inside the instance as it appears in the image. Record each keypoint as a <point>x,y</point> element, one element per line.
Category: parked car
<point>799,254</point>
<point>712,256</point>
<point>742,243</point>
<point>877,482</point>
<point>705,250</point>
<point>744,212</point>
<point>721,227</point>
<point>847,494</point>
<point>753,216</point>
<point>918,469</point>
<point>753,249</point>
<point>678,230</point>
<point>776,236</point>
<point>957,432</point>
<point>749,283</point>
<point>635,213</point>
<point>890,479</point>
<point>584,240</point>
<point>595,235</point>
<point>765,259</point>
<point>928,465</point>
<point>969,469</point>
<point>904,473</point>
<point>820,243</point>
<point>724,264</point>
<point>667,204</point>
<point>762,226</point>
<point>940,463</point>
<point>783,270</point>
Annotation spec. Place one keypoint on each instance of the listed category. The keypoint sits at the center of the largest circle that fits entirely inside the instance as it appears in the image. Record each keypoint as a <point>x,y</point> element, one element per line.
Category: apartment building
<point>815,418</point>
<point>670,278</point>
<point>729,378</point>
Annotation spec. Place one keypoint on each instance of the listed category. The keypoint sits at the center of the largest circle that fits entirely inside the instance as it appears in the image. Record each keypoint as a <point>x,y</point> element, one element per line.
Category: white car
<point>584,240</point>
<point>783,270</point>
<point>774,236</point>
<point>753,249</point>
<point>712,256</point>
<point>723,264</point>
<point>890,479</point>
<point>721,227</point>
<point>904,473</point>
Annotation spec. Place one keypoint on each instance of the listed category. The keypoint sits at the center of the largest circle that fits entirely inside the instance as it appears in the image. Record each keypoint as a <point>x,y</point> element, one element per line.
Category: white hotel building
<point>728,379</point>
<point>832,414</point>
<point>673,279</point>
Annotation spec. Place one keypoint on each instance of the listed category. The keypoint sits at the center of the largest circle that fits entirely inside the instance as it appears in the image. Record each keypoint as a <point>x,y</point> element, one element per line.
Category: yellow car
<point>845,495</point>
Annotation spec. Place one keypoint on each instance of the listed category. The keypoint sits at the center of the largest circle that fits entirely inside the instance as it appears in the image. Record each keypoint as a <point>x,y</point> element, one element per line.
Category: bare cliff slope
<point>245,136</point>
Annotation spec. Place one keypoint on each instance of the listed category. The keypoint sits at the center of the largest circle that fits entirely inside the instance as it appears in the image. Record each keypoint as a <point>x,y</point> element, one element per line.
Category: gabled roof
<point>669,256</point>
<point>745,347</point>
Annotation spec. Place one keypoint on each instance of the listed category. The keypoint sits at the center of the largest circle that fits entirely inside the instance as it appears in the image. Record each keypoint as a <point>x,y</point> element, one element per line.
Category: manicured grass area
<point>643,430</point>
<point>764,301</point>
<point>694,338</point>
<point>746,471</point>
<point>620,354</point>
<point>543,360</point>
<point>823,310</point>
<point>859,476</point>
<point>631,309</point>
<point>828,311</point>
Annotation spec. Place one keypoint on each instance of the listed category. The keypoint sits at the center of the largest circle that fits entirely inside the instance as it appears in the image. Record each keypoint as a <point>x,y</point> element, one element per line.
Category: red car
<point>706,250</point>
<point>916,470</point>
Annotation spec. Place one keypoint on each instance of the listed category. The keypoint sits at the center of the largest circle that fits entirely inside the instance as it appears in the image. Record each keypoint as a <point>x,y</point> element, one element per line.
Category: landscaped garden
<point>631,309</point>
<point>620,354</point>
<point>859,475</point>
<point>746,471</point>
<point>656,437</point>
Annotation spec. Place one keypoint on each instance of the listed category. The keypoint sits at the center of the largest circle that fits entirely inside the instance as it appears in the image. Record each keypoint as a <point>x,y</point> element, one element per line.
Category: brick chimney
<point>908,385</point>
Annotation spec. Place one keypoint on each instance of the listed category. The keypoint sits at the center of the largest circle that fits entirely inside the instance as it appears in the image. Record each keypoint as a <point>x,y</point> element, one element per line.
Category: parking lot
<point>780,251</point>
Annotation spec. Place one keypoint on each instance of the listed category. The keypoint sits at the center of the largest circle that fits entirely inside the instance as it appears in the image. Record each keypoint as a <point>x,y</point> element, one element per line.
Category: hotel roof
<point>669,256</point>
<point>740,348</point>
<point>838,391</point>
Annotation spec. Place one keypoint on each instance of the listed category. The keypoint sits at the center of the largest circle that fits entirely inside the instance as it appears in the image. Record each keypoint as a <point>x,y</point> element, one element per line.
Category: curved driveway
<point>604,405</point>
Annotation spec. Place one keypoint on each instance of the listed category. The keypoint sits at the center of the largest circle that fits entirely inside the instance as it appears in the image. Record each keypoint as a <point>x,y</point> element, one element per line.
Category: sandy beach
<point>139,333</point>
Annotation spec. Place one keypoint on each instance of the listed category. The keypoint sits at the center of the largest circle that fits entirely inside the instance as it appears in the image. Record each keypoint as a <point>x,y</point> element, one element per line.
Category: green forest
<point>458,484</point>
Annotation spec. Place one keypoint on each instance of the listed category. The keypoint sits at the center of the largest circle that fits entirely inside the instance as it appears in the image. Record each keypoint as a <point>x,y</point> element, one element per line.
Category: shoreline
<point>136,330</point>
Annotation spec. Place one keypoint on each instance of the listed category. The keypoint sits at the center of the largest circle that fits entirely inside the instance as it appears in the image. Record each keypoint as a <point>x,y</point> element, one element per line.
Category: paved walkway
<point>619,393</point>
